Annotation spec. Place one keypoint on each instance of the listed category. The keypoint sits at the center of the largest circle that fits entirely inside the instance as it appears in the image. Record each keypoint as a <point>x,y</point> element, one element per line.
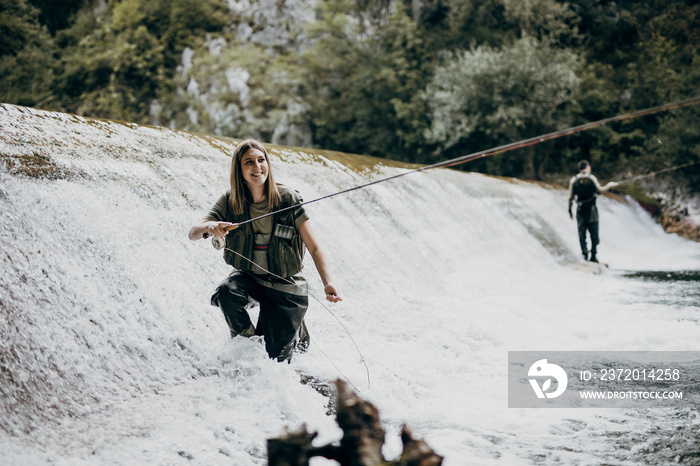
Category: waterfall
<point>110,352</point>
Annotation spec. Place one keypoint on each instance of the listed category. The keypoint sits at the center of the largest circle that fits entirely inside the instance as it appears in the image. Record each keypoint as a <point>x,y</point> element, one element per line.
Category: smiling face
<point>251,177</point>
<point>254,169</point>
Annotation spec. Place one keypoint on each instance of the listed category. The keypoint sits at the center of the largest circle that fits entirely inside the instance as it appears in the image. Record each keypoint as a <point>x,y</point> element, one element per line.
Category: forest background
<point>416,80</point>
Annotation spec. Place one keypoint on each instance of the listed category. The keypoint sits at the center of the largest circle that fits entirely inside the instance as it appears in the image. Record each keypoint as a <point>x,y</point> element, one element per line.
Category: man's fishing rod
<point>647,175</point>
<point>500,149</point>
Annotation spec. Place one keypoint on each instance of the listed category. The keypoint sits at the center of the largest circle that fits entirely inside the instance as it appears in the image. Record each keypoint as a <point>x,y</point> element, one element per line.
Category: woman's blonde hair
<point>240,195</point>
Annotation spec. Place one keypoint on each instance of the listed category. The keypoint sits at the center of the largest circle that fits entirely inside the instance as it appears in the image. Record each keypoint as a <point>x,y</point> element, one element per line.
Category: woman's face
<point>254,168</point>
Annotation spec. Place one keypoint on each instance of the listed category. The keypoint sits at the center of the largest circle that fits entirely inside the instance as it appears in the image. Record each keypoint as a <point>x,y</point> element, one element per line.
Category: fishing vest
<point>286,249</point>
<point>585,189</point>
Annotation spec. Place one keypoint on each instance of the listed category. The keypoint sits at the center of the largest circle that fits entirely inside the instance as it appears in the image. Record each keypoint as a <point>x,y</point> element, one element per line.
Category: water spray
<point>220,243</point>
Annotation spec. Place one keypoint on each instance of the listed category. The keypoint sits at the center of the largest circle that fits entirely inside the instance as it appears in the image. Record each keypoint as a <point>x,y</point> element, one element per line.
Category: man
<point>585,188</point>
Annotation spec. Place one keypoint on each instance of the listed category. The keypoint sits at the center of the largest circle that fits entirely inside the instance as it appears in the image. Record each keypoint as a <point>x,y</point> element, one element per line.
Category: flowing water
<point>111,354</point>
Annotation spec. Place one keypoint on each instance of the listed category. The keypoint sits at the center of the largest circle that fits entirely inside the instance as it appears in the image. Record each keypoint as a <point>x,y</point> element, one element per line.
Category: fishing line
<point>369,385</point>
<point>499,150</point>
<point>357,348</point>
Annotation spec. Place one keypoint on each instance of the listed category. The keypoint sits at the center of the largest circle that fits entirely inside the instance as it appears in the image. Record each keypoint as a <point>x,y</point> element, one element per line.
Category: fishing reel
<point>218,243</point>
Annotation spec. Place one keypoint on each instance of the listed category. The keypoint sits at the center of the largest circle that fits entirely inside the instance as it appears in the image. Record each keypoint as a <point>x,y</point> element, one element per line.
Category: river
<point>111,353</point>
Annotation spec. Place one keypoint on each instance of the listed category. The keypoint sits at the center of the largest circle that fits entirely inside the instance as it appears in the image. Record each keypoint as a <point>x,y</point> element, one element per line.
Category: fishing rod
<point>498,150</point>
<point>647,175</point>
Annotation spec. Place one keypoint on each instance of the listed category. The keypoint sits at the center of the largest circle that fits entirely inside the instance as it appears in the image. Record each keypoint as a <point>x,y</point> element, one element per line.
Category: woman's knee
<point>228,298</point>
<point>231,292</point>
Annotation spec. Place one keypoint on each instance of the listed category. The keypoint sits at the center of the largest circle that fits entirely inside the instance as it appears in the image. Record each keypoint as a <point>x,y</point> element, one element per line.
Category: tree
<point>121,65</point>
<point>642,55</point>
<point>57,15</point>
<point>458,24</point>
<point>362,86</point>
<point>667,69</point>
<point>496,96</point>
<point>241,89</point>
<point>26,55</point>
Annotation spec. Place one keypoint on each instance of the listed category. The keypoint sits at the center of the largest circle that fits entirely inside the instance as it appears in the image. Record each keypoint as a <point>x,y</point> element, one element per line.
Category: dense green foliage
<point>27,60</point>
<point>365,94</point>
<point>417,81</point>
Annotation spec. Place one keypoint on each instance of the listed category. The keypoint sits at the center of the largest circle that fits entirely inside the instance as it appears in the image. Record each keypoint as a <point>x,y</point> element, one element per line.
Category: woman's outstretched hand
<point>332,294</point>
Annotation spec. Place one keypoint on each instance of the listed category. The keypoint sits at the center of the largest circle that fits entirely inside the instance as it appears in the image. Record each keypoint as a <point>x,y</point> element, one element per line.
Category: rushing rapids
<point>111,354</point>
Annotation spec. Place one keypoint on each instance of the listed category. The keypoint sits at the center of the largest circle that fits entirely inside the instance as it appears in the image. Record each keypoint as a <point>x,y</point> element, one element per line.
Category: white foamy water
<point>111,354</point>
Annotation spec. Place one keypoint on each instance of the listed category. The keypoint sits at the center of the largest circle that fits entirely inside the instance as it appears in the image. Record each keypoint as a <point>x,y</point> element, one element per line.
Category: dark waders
<point>281,314</point>
<point>587,219</point>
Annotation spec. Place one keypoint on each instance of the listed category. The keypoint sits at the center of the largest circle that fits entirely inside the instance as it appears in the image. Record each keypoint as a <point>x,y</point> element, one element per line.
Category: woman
<point>266,254</point>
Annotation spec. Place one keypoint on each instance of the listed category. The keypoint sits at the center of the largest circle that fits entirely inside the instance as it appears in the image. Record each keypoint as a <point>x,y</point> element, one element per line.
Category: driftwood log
<point>361,445</point>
